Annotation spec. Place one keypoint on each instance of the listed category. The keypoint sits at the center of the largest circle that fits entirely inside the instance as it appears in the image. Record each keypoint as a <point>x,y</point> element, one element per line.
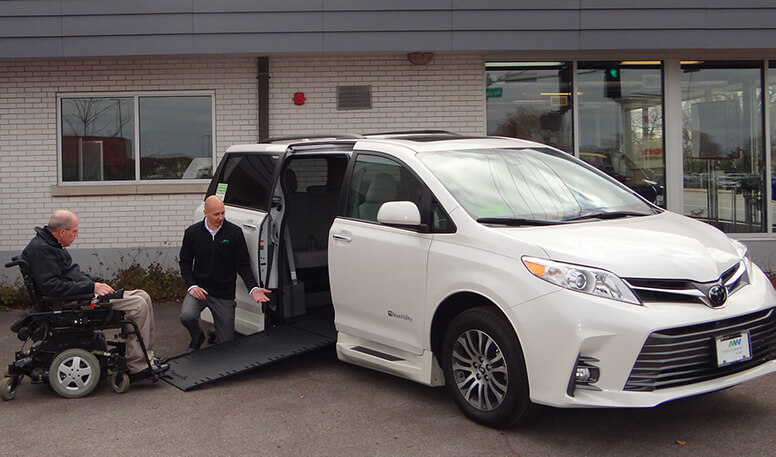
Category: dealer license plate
<point>733,348</point>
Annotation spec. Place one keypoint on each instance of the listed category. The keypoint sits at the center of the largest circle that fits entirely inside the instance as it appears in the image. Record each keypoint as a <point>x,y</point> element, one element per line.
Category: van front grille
<point>686,355</point>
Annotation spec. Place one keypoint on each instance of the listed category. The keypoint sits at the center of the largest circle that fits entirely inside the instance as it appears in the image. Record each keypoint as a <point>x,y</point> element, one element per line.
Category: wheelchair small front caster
<point>8,386</point>
<point>119,382</point>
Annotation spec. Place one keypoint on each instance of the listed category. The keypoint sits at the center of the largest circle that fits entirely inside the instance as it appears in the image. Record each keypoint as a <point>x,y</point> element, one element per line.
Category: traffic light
<point>612,83</point>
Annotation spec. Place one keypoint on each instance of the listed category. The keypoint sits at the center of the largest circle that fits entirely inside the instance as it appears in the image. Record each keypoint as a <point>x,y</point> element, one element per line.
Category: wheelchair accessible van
<point>69,349</point>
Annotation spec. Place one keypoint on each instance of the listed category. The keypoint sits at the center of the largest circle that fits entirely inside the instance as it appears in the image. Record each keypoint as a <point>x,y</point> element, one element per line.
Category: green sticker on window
<point>221,190</point>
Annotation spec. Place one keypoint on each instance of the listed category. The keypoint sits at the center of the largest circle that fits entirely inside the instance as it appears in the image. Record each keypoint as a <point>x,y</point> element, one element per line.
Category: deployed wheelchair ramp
<point>195,369</point>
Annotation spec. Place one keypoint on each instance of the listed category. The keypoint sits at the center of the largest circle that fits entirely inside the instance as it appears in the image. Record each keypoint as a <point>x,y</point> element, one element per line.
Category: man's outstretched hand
<point>260,295</point>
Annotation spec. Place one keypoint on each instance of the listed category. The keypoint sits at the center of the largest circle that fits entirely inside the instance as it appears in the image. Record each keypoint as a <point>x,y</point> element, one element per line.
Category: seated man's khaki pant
<point>137,306</point>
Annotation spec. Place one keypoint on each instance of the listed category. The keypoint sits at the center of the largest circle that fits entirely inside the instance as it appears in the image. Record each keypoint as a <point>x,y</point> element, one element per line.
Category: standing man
<point>56,275</point>
<point>213,253</point>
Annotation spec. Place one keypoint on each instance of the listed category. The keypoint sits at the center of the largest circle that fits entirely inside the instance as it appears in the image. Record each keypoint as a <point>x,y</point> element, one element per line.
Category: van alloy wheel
<point>480,370</point>
<point>485,370</point>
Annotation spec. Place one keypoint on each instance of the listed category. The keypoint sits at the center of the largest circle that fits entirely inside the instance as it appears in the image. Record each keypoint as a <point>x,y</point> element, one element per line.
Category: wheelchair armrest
<point>71,298</point>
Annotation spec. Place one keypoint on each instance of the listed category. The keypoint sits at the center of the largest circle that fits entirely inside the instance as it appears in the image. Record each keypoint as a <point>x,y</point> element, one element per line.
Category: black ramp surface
<point>195,369</point>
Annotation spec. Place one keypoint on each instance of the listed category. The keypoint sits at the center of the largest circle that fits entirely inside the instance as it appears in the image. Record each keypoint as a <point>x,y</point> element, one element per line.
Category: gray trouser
<point>223,316</point>
<point>137,306</point>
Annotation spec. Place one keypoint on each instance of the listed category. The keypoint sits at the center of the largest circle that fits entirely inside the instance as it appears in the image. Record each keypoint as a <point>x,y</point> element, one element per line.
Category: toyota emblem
<point>717,295</point>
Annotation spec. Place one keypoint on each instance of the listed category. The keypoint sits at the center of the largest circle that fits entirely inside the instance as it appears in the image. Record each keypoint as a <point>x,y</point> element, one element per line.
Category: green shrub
<point>14,295</point>
<point>160,284</point>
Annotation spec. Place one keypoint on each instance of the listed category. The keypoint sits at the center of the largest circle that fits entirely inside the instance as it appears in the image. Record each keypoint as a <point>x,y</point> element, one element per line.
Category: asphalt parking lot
<point>315,405</point>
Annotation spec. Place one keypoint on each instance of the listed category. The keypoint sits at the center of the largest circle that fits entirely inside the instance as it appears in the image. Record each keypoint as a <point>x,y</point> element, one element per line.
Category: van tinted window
<point>243,180</point>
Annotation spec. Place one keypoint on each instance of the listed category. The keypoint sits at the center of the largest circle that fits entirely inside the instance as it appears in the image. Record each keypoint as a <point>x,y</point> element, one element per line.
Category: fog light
<point>585,374</point>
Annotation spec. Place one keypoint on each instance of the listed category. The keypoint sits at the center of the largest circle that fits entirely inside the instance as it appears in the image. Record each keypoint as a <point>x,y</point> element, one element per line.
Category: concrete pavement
<point>315,405</point>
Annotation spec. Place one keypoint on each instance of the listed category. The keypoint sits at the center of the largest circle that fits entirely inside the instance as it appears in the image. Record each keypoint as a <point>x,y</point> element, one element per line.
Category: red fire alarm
<point>299,98</point>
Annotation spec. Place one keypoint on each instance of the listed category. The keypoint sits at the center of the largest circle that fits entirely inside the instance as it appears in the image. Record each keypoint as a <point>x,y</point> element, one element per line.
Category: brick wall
<point>446,94</point>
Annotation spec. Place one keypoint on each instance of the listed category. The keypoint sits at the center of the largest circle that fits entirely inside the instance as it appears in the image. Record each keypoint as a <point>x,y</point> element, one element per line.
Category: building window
<point>723,149</point>
<point>102,137</point>
<point>620,108</point>
<point>530,100</point>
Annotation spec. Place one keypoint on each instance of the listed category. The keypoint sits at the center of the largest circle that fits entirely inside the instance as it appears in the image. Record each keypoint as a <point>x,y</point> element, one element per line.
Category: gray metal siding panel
<point>128,45</point>
<point>255,6</point>
<point>516,41</point>
<point>515,20</point>
<point>29,7</point>
<point>63,28</point>
<point>47,26</point>
<point>136,24</point>
<point>393,5</point>
<point>260,24</point>
<point>387,41</point>
<point>30,47</point>
<point>642,19</point>
<point>386,21</point>
<point>257,44</point>
<point>97,7</point>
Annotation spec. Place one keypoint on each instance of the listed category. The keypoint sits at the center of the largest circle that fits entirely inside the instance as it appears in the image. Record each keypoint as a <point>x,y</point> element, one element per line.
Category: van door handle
<point>339,237</point>
<point>249,226</point>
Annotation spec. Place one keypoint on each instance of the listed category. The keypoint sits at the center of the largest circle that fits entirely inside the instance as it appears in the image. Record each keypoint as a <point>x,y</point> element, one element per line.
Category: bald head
<point>214,212</point>
<point>62,219</point>
<point>63,225</point>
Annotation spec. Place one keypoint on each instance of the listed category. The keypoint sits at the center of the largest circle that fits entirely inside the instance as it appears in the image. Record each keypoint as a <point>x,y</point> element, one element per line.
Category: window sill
<point>128,189</point>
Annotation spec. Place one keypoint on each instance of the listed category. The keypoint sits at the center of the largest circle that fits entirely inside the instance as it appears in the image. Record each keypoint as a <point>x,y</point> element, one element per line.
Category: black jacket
<point>53,269</point>
<point>213,264</point>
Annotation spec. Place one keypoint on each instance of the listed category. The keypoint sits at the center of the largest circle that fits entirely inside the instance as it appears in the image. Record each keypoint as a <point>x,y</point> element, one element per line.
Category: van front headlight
<point>593,281</point>
<point>743,253</point>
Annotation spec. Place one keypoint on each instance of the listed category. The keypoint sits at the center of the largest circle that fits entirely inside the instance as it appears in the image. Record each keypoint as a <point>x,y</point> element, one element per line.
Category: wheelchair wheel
<point>8,386</point>
<point>74,373</point>
<point>119,382</point>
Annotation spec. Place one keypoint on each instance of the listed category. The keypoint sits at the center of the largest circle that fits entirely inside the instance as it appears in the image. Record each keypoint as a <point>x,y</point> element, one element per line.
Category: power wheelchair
<point>69,348</point>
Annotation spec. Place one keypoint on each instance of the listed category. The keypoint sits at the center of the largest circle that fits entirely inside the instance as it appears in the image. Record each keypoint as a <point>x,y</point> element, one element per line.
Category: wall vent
<point>354,97</point>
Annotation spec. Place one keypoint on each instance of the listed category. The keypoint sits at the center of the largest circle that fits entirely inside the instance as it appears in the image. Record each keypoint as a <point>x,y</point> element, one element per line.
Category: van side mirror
<point>402,213</point>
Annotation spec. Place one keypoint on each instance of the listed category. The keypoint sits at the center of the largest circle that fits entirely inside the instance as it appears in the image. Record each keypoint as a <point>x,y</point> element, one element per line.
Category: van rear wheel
<point>485,370</point>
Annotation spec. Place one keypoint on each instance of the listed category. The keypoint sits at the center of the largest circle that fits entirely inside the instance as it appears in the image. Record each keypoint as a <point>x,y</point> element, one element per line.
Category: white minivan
<point>508,270</point>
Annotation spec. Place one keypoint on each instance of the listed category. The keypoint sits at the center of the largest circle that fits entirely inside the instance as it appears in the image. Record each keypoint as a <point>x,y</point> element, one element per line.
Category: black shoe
<point>159,361</point>
<point>194,345</point>
<point>140,375</point>
<point>148,373</point>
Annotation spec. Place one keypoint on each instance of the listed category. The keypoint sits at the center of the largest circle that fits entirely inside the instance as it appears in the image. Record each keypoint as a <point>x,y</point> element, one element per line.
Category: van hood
<point>664,246</point>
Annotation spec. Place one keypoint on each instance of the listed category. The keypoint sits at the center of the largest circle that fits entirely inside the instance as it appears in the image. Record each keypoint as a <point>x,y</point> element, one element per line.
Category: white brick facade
<point>446,94</point>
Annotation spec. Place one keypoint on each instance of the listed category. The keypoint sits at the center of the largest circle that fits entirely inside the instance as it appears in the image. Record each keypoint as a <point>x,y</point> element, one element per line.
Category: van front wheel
<point>484,369</point>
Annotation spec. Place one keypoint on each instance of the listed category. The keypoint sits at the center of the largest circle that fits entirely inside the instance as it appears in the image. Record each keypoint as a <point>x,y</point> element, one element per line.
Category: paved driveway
<point>317,406</point>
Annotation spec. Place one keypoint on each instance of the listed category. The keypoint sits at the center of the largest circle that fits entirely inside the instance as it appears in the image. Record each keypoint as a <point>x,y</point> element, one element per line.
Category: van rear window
<point>243,179</point>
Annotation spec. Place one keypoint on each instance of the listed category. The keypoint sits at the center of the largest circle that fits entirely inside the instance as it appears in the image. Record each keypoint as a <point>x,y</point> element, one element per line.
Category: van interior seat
<point>310,215</point>
<point>383,188</point>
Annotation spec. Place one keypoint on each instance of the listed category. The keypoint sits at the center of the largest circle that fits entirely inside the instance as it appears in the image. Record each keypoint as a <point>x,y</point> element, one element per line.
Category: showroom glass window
<point>530,100</point>
<point>620,106</point>
<point>723,149</point>
<point>136,137</point>
<point>772,105</point>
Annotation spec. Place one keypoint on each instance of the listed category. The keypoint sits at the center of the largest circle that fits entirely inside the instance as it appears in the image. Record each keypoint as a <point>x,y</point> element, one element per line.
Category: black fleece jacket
<point>53,269</point>
<point>213,264</point>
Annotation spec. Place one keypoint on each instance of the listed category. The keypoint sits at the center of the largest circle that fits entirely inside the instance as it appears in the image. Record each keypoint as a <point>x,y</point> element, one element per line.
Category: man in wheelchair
<point>69,297</point>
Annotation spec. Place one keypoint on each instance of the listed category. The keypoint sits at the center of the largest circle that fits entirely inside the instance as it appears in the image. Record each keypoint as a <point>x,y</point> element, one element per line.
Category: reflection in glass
<point>536,184</point>
<point>621,124</point>
<point>772,105</point>
<point>176,137</point>
<point>97,139</point>
<point>530,101</point>
<point>723,145</point>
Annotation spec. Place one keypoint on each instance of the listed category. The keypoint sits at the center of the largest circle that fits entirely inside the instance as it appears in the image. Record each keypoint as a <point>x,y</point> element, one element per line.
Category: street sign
<point>494,92</point>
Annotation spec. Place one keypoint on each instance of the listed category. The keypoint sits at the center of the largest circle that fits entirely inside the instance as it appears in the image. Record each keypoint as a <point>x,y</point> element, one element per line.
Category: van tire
<point>485,370</point>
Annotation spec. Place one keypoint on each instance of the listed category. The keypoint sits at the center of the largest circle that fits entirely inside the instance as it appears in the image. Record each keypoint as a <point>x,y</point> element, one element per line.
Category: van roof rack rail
<point>413,132</point>
<point>317,136</point>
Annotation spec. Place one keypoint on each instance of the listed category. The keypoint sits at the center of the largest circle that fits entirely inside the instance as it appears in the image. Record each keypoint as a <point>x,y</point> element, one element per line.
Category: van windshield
<point>536,186</point>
